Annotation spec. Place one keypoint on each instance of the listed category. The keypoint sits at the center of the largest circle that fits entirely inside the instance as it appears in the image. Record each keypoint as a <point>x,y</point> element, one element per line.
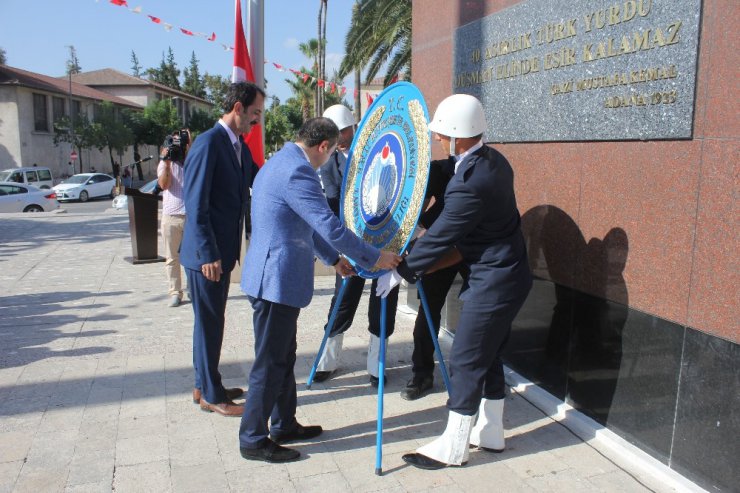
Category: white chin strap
<point>452,146</point>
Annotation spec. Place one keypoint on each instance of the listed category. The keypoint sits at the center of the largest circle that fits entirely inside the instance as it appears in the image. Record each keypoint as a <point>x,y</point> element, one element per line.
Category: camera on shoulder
<point>175,146</point>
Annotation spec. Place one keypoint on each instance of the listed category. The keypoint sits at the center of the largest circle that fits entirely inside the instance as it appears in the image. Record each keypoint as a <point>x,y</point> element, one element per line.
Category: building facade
<point>616,118</point>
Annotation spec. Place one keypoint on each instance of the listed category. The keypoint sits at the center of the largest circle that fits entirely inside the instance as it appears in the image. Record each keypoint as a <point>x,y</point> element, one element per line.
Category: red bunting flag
<point>278,66</point>
<point>242,71</point>
<point>343,91</point>
<point>305,77</point>
<point>321,83</point>
<point>185,31</point>
<point>369,98</point>
<point>120,3</point>
<point>155,20</point>
<point>333,87</point>
<point>212,37</point>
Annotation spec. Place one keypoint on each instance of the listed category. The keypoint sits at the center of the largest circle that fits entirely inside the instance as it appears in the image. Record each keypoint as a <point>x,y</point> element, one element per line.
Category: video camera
<point>175,146</point>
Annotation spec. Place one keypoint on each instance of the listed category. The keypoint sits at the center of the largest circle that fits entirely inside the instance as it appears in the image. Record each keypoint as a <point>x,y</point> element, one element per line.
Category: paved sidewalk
<point>95,382</point>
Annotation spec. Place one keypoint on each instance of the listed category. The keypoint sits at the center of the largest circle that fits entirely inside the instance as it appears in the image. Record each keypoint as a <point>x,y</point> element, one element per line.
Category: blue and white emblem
<point>387,170</point>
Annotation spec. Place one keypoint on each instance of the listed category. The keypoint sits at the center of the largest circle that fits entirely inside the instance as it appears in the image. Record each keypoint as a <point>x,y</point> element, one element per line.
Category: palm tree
<point>379,33</point>
<point>311,50</point>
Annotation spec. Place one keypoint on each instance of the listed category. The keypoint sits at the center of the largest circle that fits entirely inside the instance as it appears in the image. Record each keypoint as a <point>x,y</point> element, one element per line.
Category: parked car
<point>37,176</point>
<point>121,201</point>
<point>15,197</point>
<point>86,186</point>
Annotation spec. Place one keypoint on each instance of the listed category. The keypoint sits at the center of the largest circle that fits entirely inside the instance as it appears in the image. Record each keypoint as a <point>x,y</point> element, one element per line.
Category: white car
<point>15,197</point>
<point>86,186</point>
<point>121,201</point>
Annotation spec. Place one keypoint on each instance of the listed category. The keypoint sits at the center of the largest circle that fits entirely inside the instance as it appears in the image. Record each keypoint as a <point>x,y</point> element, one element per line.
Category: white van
<point>36,176</point>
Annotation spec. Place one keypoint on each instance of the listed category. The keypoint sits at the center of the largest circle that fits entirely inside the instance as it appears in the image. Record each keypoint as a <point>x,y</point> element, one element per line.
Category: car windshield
<point>77,179</point>
<point>4,175</point>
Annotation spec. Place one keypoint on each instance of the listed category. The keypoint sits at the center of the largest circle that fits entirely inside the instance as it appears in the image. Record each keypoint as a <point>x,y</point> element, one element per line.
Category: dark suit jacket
<point>331,179</point>
<point>481,219</point>
<point>216,191</point>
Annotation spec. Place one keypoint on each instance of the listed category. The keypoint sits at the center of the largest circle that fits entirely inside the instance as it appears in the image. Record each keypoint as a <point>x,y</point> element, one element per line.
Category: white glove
<point>387,282</point>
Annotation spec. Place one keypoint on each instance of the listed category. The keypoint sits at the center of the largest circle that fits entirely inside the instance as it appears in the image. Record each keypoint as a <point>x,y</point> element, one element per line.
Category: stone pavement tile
<point>266,478</point>
<point>142,426</point>
<point>204,477</point>
<point>312,464</point>
<point>413,479</point>
<point>584,460</point>
<point>99,487</point>
<point>529,465</point>
<point>8,474</point>
<point>27,423</point>
<point>192,452</point>
<point>62,418</point>
<point>36,480</point>
<point>482,476</point>
<point>616,481</point>
<point>146,406</point>
<point>361,478</point>
<point>195,424</point>
<point>144,478</point>
<point>9,376</point>
<point>321,483</point>
<point>140,450</point>
<point>100,413</point>
<point>91,467</point>
<point>561,482</point>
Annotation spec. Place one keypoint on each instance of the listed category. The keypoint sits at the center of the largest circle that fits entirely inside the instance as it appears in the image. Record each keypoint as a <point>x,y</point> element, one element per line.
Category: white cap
<point>340,115</point>
<point>459,115</point>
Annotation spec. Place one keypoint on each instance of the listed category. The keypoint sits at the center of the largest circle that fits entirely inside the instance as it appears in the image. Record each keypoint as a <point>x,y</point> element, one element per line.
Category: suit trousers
<point>476,369</point>
<point>350,302</point>
<point>209,308</point>
<point>436,286</point>
<point>272,387</point>
<point>172,231</point>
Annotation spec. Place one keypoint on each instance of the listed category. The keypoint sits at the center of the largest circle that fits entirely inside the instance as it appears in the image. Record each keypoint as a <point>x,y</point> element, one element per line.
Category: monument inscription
<point>573,70</point>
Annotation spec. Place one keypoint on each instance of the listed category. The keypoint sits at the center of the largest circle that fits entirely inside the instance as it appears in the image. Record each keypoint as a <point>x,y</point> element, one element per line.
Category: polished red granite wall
<point>670,204</point>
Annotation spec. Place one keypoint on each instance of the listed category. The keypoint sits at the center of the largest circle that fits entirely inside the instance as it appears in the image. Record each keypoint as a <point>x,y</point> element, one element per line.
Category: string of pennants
<point>328,86</point>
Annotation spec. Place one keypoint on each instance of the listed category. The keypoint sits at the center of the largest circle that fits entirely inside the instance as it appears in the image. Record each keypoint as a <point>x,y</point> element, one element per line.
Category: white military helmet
<point>459,115</point>
<point>340,115</point>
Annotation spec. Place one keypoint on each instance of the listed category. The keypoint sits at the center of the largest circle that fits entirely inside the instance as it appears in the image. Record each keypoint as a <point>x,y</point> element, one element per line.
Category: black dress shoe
<point>375,381</point>
<point>417,388</point>
<point>495,451</point>
<point>424,462</point>
<point>271,452</point>
<point>322,376</point>
<point>300,432</point>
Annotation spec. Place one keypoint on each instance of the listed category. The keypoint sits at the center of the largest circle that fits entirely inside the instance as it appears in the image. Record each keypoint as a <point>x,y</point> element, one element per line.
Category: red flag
<point>185,31</point>
<point>369,98</point>
<point>321,83</point>
<point>212,37</point>
<point>242,71</point>
<point>120,3</point>
<point>155,20</point>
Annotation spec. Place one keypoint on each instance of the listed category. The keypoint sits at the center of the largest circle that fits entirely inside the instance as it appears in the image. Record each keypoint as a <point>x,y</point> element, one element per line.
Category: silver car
<point>86,186</point>
<point>15,197</point>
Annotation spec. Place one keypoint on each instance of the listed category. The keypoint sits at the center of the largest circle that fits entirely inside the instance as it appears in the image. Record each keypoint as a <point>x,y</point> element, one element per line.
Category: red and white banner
<point>242,71</point>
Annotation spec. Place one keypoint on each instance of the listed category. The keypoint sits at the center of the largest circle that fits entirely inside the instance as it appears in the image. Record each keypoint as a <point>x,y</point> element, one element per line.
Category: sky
<point>35,35</point>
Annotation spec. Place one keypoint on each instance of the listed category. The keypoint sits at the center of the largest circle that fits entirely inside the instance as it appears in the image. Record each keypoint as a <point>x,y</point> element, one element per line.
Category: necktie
<point>238,150</point>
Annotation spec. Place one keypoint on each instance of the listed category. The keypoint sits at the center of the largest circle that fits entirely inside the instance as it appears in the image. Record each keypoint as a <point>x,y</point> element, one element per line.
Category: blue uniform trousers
<point>209,308</point>
<point>272,387</point>
<point>476,369</point>
<point>350,301</point>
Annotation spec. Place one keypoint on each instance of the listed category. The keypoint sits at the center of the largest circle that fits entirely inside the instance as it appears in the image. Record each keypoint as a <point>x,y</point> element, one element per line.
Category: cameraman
<point>170,178</point>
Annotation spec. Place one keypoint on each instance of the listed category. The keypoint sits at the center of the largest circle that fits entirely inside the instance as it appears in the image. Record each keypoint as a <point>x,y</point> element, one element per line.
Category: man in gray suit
<point>291,222</point>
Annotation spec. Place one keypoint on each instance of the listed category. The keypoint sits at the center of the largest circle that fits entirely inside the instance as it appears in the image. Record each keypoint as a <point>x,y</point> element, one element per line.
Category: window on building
<point>76,110</point>
<point>40,113</point>
<point>57,109</point>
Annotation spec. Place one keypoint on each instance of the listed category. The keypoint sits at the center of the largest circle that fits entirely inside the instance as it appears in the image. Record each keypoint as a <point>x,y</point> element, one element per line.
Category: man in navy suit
<point>218,173</point>
<point>291,222</point>
<point>479,224</point>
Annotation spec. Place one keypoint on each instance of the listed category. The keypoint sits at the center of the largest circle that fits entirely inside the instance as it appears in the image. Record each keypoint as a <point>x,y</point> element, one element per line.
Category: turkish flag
<point>242,71</point>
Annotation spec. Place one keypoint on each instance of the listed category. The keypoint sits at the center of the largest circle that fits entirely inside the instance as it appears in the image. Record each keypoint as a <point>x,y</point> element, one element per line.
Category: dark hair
<point>244,92</point>
<point>316,130</point>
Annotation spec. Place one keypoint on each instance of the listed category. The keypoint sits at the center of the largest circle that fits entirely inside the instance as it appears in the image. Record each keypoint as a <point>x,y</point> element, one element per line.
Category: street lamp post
<point>71,127</point>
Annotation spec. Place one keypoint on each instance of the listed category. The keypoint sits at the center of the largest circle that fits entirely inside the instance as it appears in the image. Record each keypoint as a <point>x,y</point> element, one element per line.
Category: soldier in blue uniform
<point>479,224</point>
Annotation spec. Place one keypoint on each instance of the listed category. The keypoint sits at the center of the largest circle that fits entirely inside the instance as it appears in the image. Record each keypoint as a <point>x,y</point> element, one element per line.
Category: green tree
<point>311,50</point>
<point>379,33</point>
<point>193,82</point>
<point>216,88</point>
<point>80,133</point>
<point>281,124</point>
<point>3,56</point>
<point>73,64</point>
<point>167,73</point>
<point>111,132</point>
<point>200,121</point>
<point>151,126</point>
<point>135,65</point>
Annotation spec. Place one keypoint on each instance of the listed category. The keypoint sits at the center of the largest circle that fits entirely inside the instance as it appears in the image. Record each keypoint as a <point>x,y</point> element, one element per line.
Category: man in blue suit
<point>218,173</point>
<point>291,222</point>
<point>480,225</point>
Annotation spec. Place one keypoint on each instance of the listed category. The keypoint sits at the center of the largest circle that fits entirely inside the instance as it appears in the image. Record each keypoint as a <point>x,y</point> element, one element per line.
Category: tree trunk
<point>358,99</point>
